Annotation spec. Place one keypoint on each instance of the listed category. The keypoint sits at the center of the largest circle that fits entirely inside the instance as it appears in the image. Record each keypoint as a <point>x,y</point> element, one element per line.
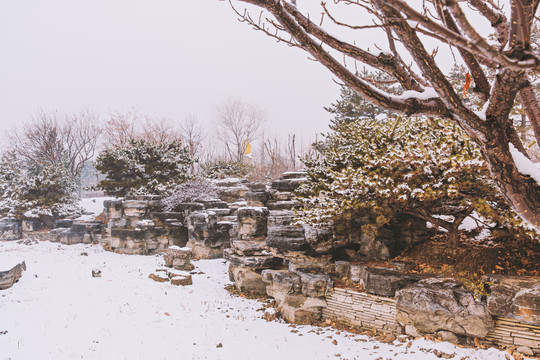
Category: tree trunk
<point>453,238</point>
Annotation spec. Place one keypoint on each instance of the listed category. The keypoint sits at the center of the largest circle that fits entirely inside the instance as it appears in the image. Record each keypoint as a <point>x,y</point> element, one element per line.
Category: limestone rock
<point>286,238</point>
<point>29,225</point>
<point>385,282</point>
<point>247,280</point>
<point>89,227</point>
<point>252,222</point>
<point>515,297</point>
<point>63,223</point>
<point>289,184</point>
<point>434,305</point>
<point>178,258</point>
<point>202,228</point>
<point>280,217</point>
<point>448,336</point>
<point>10,229</point>
<point>70,237</point>
<point>319,239</point>
<point>526,306</point>
<point>252,262</point>
<point>213,204</point>
<point>525,350</point>
<point>249,248</point>
<point>315,285</point>
<point>113,209</point>
<point>258,187</point>
<point>180,278</point>
<point>293,305</point>
<point>231,194</point>
<point>159,276</point>
<point>188,208</point>
<point>300,261</point>
<point>282,204</point>
<point>11,276</point>
<point>201,251</point>
<point>257,198</point>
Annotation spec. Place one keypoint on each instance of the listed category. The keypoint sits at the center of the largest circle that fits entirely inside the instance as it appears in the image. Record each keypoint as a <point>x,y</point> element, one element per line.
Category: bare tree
<point>67,140</point>
<point>80,134</point>
<point>159,130</point>
<point>192,135</point>
<point>120,128</point>
<point>239,123</point>
<point>409,28</point>
<point>291,150</point>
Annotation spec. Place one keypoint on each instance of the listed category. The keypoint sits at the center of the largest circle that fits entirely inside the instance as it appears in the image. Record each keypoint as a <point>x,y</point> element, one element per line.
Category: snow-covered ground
<point>94,205</point>
<point>59,311</point>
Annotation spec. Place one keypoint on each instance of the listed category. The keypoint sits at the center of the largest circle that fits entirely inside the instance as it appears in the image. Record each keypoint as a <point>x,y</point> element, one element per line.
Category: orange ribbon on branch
<point>467,83</point>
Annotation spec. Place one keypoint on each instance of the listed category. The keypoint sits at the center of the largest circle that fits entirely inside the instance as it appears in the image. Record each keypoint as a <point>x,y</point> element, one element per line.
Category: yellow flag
<point>248,148</point>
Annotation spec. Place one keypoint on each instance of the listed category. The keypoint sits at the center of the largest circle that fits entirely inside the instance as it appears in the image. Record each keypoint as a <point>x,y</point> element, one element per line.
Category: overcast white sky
<point>166,58</point>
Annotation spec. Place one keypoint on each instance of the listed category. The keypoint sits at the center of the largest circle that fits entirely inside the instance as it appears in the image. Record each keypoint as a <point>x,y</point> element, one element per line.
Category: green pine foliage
<point>143,167</point>
<point>47,190</point>
<point>373,171</point>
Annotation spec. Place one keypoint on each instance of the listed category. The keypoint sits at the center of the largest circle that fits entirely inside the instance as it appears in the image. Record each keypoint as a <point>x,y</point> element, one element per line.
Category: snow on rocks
<point>11,276</point>
<point>65,314</point>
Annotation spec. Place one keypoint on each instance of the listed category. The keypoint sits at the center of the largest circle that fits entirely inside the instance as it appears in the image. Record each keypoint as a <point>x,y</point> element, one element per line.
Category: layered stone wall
<point>363,310</point>
<point>381,313</point>
<point>509,332</point>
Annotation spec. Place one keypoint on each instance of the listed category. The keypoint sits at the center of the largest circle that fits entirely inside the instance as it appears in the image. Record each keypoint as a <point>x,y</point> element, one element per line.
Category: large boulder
<point>515,297</point>
<point>30,225</point>
<point>299,297</point>
<point>178,258</point>
<point>252,222</point>
<point>385,282</point>
<point>247,280</point>
<point>10,229</point>
<point>433,305</point>
<point>257,198</point>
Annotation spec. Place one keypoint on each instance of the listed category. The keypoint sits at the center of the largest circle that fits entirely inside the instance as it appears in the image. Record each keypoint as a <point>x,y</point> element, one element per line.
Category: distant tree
<point>59,139</point>
<point>192,135</point>
<point>239,122</point>
<point>143,167</point>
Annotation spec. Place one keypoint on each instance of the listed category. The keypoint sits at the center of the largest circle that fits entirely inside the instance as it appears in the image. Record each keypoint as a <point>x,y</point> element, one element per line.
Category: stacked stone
<point>208,237</point>
<point>282,191</point>
<point>271,256</point>
<point>135,225</point>
<point>300,297</point>
<point>248,254</point>
<point>71,232</point>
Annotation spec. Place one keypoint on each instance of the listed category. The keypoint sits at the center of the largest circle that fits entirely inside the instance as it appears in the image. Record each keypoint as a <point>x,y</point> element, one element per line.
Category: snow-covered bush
<point>49,190</point>
<point>225,169</point>
<point>373,171</point>
<point>198,190</point>
<point>143,167</point>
